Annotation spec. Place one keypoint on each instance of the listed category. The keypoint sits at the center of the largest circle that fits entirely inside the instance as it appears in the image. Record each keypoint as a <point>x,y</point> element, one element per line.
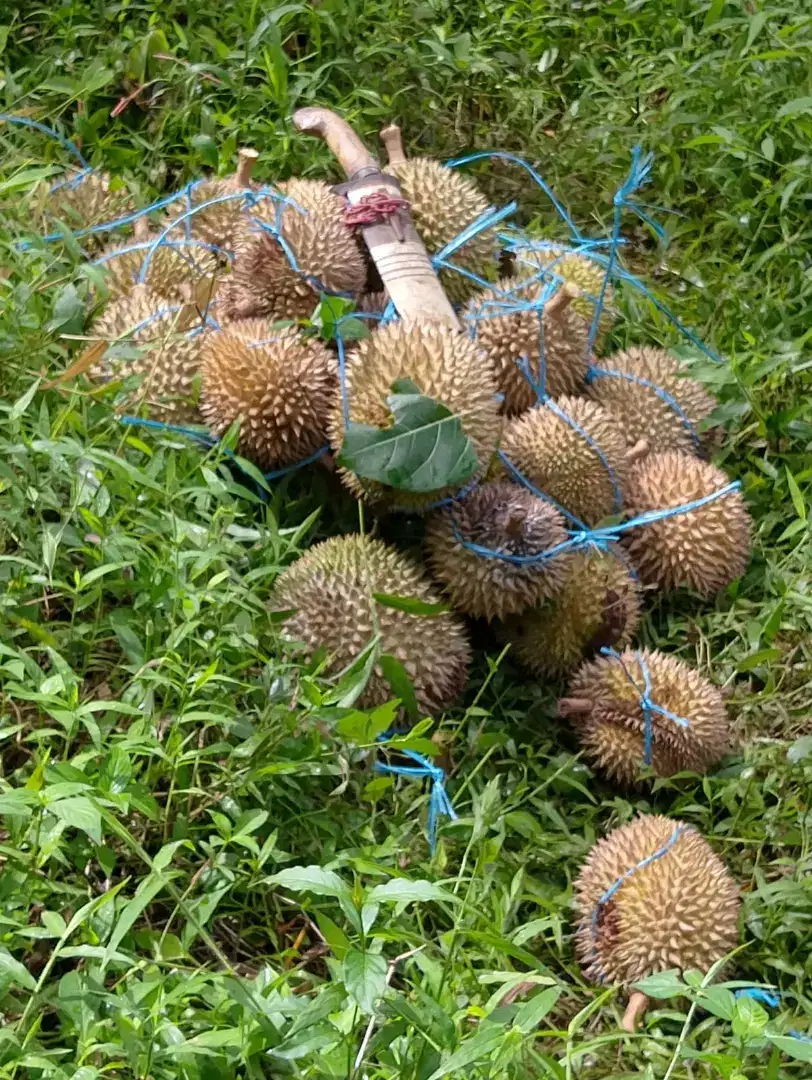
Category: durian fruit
<point>330,589</point>
<point>219,223</point>
<point>556,458</point>
<point>597,605</point>
<point>652,896</point>
<point>553,339</point>
<point>582,272</point>
<point>501,517</point>
<point>374,303</point>
<point>327,258</point>
<point>173,272</point>
<point>604,704</point>
<point>443,204</point>
<point>640,410</point>
<point>447,366</point>
<point>84,200</point>
<point>279,383</point>
<point>705,548</point>
<point>170,357</point>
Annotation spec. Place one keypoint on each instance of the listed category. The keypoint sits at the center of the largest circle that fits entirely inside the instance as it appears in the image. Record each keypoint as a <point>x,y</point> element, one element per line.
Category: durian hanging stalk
<point>444,203</point>
<point>216,224</point>
<point>517,333</point>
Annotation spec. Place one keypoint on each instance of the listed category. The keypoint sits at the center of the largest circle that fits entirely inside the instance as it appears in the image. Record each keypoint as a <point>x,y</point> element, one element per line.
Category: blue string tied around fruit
<point>618,883</point>
<point>598,372</point>
<point>647,705</point>
<point>424,769</point>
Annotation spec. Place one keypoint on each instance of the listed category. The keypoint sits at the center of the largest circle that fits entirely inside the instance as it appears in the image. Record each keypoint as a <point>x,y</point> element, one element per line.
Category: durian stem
<point>514,526</point>
<point>635,1011</point>
<point>574,706</point>
<point>246,159</point>
<point>141,229</point>
<point>392,141</point>
<point>637,452</point>
<point>562,299</point>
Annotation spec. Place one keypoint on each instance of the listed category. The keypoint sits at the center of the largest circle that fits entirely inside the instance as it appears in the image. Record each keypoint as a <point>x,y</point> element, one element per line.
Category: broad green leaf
<point>333,935</point>
<point>533,1011</point>
<point>311,879</point>
<point>749,1019</point>
<point>799,1049</point>
<point>126,918</point>
<point>424,450</point>
<point>401,890</point>
<point>365,978</point>
<point>663,984</point>
<point>79,813</point>
<point>795,107</point>
<point>796,496</point>
<point>478,1048</point>
<point>21,404</point>
<point>16,971</point>
<point>800,749</point>
<point>69,311</point>
<point>401,685</point>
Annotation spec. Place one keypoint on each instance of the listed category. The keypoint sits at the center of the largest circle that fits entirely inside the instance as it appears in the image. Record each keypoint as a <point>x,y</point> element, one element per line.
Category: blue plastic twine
<point>35,125</point>
<point>624,877</point>
<point>648,706</point>
<point>772,999</point>
<point>600,372</point>
<point>424,769</point>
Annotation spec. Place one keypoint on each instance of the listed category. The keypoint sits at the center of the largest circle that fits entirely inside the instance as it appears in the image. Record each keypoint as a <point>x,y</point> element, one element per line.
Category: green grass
<point>162,759</point>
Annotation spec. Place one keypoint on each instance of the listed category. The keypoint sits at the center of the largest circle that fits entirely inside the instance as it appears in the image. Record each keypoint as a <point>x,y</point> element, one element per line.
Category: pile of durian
<point>217,292</point>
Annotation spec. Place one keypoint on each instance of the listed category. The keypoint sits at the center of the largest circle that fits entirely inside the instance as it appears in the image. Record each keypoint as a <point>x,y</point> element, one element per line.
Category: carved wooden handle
<point>352,154</point>
<point>392,141</point>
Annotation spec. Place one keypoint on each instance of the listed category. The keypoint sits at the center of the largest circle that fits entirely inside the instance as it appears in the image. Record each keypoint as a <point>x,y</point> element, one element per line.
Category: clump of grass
<point>202,876</point>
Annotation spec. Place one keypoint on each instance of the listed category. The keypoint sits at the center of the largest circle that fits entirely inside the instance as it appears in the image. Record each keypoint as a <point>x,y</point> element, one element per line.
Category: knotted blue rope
<point>647,706</point>
<point>619,882</point>
<point>601,372</point>
<point>424,769</point>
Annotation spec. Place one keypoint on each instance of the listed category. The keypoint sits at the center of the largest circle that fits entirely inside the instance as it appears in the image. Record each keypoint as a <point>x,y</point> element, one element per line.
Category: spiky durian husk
<point>264,283</point>
<point>375,303</point>
<point>641,411</point>
<point>217,224</point>
<point>554,456</point>
<point>581,271</point>
<point>444,203</point>
<point>679,911</point>
<point>279,383</point>
<point>705,548</point>
<point>170,357</point>
<point>331,591</point>
<point>598,604</point>
<point>142,316</point>
<point>447,366</point>
<point>504,518</point>
<point>172,272</point>
<point>84,201</point>
<point>617,713</point>
<point>560,337</point>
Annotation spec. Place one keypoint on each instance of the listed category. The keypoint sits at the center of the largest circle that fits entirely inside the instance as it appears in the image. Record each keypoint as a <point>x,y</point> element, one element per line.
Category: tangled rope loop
<point>373,209</point>
<point>439,802</point>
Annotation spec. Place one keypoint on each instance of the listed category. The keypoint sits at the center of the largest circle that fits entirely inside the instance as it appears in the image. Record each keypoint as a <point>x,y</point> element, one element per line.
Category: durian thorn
<point>141,229</point>
<point>635,1011</point>
<point>640,450</point>
<point>246,159</point>
<point>562,299</point>
<point>574,706</point>
<point>392,141</point>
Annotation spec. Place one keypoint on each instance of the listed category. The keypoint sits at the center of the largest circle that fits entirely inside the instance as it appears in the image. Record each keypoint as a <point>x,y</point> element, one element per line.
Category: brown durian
<point>504,518</point>
<point>173,272</point>
<point>443,204</point>
<point>280,384</point>
<point>643,412</point>
<point>446,366</point>
<point>705,548</point>
<point>552,339</point>
<point>653,896</point>
<point>604,704</point>
<point>83,200</point>
<point>555,457</point>
<point>327,258</point>
<point>219,223</point>
<point>579,270</point>
<point>330,589</point>
<point>598,604</point>
<point>170,358</point>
